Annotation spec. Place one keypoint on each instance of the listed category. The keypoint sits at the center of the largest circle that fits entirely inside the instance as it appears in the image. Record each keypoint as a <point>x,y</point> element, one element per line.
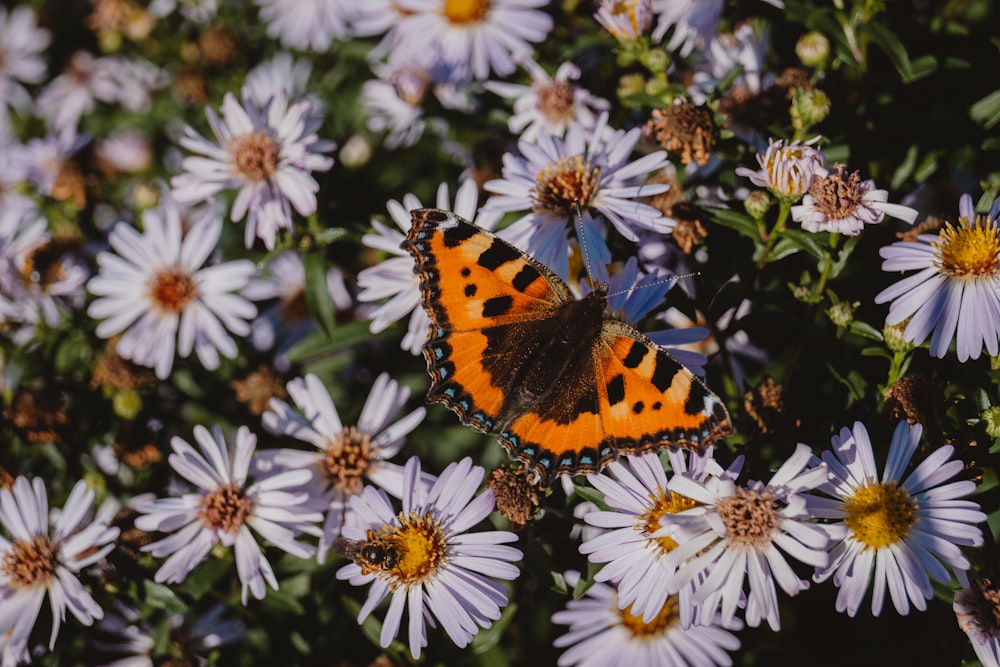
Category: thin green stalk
<point>784,207</point>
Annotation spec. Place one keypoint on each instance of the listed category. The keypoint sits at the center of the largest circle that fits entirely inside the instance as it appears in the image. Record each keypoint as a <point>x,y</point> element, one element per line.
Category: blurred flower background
<point>213,441</point>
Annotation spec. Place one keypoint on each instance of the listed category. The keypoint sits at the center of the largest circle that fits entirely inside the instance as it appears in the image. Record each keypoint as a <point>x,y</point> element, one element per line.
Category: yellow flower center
<point>29,564</point>
<point>419,547</point>
<point>788,168</point>
<point>664,502</point>
<point>254,155</point>
<point>346,459</point>
<point>968,250</point>
<point>563,185</point>
<point>879,515</point>
<point>171,290</point>
<point>750,516</point>
<point>466,11</point>
<point>226,508</point>
<point>668,617</point>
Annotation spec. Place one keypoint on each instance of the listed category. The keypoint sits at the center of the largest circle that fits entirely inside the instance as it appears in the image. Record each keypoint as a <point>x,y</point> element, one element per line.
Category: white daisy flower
<point>306,25</point>
<point>344,457</point>
<point>281,75</point>
<point>694,23</point>
<point>604,634</point>
<point>786,168</point>
<point>439,571</point>
<point>76,92</point>
<point>22,44</point>
<point>157,293</point>
<point>628,20</point>
<point>895,531</point>
<point>393,278</point>
<point>483,35</point>
<point>739,532</point>
<point>42,555</point>
<point>840,202</point>
<point>550,103</point>
<point>554,178</point>
<point>638,498</point>
<point>224,509</point>
<point>955,293</point>
<point>266,154</point>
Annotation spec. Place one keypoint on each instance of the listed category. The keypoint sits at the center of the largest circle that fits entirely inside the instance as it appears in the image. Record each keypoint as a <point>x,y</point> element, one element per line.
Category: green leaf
<point>986,111</point>
<point>490,637</point>
<point>584,584</point>
<point>865,330</point>
<point>905,168</point>
<point>317,293</point>
<point>591,494</point>
<point>806,241</point>
<point>886,40</point>
<point>845,253</point>
<point>161,597</point>
<point>741,222</point>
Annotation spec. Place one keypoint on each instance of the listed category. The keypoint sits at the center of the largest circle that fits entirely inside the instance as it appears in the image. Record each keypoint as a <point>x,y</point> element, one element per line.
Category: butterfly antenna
<point>668,279</point>
<point>583,244</point>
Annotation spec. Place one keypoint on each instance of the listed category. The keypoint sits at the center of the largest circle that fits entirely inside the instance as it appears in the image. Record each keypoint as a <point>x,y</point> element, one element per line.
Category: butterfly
<point>566,387</point>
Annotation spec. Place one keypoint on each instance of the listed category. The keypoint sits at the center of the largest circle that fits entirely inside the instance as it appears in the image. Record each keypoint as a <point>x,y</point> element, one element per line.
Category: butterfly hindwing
<point>649,400</point>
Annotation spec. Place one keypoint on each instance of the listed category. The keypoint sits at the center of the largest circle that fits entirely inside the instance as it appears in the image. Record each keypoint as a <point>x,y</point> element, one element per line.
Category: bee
<point>377,553</point>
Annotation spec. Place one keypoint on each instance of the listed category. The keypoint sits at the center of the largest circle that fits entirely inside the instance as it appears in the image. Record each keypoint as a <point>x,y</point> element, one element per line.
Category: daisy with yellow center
<point>628,20</point>
<point>39,557</point>
<point>425,558</point>
<point>344,457</point>
<point>635,488</point>
<point>893,531</point>
<point>786,167</point>
<point>743,533</point>
<point>955,294</point>
<point>603,634</point>
<point>227,509</point>
<point>155,292</point>
<point>479,36</point>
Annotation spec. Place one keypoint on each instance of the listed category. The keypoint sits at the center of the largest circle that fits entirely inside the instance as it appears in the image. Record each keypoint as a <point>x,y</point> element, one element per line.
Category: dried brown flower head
<point>516,496</point>
<point>769,409</point>
<point>258,388</point>
<point>916,399</point>
<point>685,130</point>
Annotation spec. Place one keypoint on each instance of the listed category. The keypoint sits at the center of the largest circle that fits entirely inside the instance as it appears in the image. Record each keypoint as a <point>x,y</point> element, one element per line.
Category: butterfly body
<point>566,387</point>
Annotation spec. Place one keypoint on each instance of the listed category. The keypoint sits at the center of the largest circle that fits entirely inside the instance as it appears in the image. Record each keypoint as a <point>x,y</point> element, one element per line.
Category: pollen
<point>880,515</point>
<point>663,502</point>
<point>254,155</point>
<point>422,548</point>
<point>463,12</point>
<point>555,101</point>
<point>968,250</point>
<point>347,459</point>
<point>839,194</point>
<point>563,185</point>
<point>667,617</point>
<point>750,517</point>
<point>225,509</point>
<point>171,290</point>
<point>29,564</point>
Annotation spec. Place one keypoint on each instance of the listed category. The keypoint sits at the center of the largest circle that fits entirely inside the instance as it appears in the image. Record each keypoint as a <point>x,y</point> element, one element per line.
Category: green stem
<point>784,207</point>
<point>827,265</point>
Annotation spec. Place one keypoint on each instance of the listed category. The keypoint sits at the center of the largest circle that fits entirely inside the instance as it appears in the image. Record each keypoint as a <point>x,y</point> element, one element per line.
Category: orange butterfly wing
<point>511,350</point>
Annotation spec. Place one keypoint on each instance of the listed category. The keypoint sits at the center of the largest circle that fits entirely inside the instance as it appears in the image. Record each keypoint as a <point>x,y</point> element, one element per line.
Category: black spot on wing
<point>616,389</point>
<point>497,306</point>
<point>470,290</point>
<point>663,374</point>
<point>638,407</point>
<point>695,403</point>
<point>498,253</point>
<point>466,271</point>
<point>455,236</point>
<point>527,275</point>
<point>635,355</point>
